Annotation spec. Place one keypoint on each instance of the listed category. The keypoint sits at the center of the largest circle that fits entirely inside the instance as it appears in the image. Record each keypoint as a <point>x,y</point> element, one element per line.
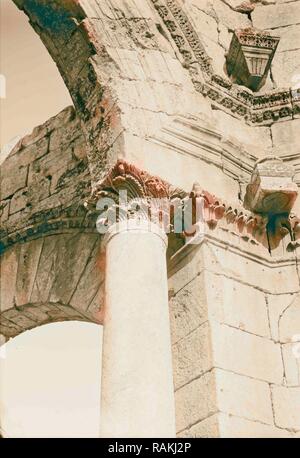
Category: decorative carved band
<point>239,101</point>
<point>142,190</point>
<point>142,187</point>
<point>257,38</point>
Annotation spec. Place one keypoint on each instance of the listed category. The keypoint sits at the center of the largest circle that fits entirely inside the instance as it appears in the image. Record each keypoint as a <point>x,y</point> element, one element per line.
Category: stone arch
<point>68,36</point>
<point>124,74</point>
<point>50,279</point>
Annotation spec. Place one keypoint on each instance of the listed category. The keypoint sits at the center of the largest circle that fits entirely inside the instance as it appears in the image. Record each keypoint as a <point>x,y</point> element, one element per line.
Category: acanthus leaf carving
<point>143,189</point>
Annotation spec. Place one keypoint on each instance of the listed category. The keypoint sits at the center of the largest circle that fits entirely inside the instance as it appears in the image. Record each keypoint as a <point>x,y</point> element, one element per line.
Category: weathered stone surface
<point>90,280</point>
<point>189,412</point>
<point>244,397</point>
<point>286,137</point>
<point>289,38</point>
<point>9,267</point>
<point>236,427</point>
<point>188,309</point>
<point>274,16</point>
<point>291,362</point>
<point>276,307</point>
<point>256,140</point>
<point>13,178</point>
<point>282,279</point>
<point>286,403</point>
<point>29,257</point>
<point>237,305</point>
<point>289,322</point>
<point>246,354</point>
<point>208,428</point>
<point>192,356</point>
<point>271,190</point>
<point>286,68</point>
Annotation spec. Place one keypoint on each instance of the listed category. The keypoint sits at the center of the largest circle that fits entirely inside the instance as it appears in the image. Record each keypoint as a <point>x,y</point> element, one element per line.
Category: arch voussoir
<point>17,320</point>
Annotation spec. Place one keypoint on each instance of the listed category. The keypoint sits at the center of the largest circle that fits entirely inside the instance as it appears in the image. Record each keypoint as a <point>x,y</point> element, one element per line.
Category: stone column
<point>137,397</point>
<point>137,383</point>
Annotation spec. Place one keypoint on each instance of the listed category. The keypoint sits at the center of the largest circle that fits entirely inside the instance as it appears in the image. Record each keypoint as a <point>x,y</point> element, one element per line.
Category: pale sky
<point>50,382</point>
<point>35,90</point>
<point>50,379</point>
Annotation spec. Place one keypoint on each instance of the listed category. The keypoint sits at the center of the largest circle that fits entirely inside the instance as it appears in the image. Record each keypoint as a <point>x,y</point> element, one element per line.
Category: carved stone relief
<point>261,109</point>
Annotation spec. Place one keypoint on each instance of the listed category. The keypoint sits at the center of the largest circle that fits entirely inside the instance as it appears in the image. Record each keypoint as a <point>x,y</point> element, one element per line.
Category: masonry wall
<point>234,324</point>
<point>50,263</point>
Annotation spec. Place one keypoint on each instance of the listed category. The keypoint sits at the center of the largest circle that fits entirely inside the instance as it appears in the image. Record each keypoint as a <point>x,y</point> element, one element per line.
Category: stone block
<point>13,177</point>
<point>4,210</point>
<point>9,329</point>
<point>72,254</point>
<point>286,403</point>
<point>205,24</point>
<point>291,362</point>
<point>27,267</point>
<point>208,428</point>
<point>18,201</point>
<point>188,309</point>
<point>256,140</point>
<point>236,427</point>
<point>89,282</point>
<point>17,318</point>
<point>275,16</point>
<point>189,411</point>
<point>276,307</point>
<point>184,268</point>
<point>9,267</point>
<point>271,190</point>
<point>237,305</point>
<point>286,136</point>
<point>3,339</point>
<point>244,397</point>
<point>276,280</point>
<point>286,68</point>
<point>246,354</point>
<point>45,274</point>
<point>289,38</point>
<point>289,323</point>
<point>192,356</point>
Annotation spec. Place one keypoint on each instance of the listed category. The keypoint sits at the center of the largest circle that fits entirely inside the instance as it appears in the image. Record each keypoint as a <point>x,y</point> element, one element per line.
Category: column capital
<point>128,193</point>
<point>138,184</point>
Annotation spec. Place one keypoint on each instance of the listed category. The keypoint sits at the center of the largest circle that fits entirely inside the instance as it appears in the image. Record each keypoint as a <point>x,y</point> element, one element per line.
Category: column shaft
<point>137,382</point>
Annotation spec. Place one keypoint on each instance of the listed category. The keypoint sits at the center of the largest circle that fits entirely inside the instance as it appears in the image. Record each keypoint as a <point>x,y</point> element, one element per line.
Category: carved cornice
<point>196,137</point>
<point>261,109</point>
<point>48,222</point>
<point>201,139</point>
<point>142,187</point>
